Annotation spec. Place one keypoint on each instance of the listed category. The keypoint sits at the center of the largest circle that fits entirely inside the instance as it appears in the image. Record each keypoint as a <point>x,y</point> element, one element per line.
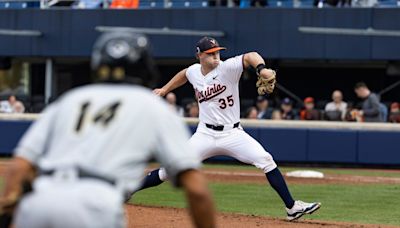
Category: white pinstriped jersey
<point>218,92</point>
<point>109,129</point>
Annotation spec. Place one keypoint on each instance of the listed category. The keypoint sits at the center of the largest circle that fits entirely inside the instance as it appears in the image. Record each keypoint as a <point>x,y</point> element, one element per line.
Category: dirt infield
<point>149,217</point>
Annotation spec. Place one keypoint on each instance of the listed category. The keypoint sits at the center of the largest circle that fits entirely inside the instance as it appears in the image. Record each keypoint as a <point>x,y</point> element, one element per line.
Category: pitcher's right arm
<point>177,81</point>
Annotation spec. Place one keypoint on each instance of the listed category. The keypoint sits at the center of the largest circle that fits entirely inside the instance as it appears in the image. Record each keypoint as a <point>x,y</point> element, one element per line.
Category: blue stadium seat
<point>280,3</point>
<point>13,5</point>
<point>387,3</point>
<point>188,3</point>
<point>198,3</point>
<point>306,3</point>
<point>151,4</point>
<point>19,5</point>
<point>180,3</point>
<point>34,4</point>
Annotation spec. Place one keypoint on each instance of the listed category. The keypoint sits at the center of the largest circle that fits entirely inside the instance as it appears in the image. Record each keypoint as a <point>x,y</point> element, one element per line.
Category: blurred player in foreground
<point>90,147</point>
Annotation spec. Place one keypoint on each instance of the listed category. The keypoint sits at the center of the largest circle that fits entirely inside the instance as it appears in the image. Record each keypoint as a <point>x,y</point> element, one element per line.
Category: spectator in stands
<point>16,105</point>
<point>193,109</point>
<point>337,105</point>
<point>309,112</point>
<point>370,111</point>
<point>287,110</point>
<point>12,105</point>
<point>394,116</point>
<point>251,113</point>
<point>350,114</point>
<point>19,107</point>
<point>276,115</point>
<point>264,112</point>
<point>384,112</point>
<point>171,99</point>
<point>5,107</point>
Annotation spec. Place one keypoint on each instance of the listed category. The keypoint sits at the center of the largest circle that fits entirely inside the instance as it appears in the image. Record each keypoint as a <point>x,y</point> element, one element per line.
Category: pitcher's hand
<point>159,92</point>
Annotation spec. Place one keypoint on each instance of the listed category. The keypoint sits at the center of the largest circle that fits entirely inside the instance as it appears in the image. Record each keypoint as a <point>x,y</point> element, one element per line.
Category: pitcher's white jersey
<point>218,92</point>
<point>111,130</point>
<point>218,98</point>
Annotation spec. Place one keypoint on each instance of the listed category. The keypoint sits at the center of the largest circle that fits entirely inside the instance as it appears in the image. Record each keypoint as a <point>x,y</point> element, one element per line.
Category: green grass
<point>369,203</point>
<point>357,172</point>
<point>372,204</point>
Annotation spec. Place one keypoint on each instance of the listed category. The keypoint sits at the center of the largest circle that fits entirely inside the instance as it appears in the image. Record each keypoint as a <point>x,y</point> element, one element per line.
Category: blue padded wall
<point>284,144</point>
<point>332,146</point>
<point>10,134</point>
<point>287,144</point>
<point>379,147</point>
<point>277,30</point>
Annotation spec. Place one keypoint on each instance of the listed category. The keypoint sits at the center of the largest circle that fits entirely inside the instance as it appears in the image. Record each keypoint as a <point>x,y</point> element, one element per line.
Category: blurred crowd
<point>370,109</point>
<point>191,108</point>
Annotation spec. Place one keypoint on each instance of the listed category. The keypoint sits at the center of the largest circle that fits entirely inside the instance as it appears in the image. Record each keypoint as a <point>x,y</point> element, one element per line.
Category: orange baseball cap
<point>208,45</point>
<point>309,100</point>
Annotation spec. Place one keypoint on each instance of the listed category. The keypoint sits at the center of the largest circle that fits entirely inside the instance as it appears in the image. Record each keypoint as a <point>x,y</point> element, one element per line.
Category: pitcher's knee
<point>267,163</point>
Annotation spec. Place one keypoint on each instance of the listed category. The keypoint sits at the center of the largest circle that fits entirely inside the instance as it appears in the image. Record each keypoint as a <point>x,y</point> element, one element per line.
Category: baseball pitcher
<point>216,85</point>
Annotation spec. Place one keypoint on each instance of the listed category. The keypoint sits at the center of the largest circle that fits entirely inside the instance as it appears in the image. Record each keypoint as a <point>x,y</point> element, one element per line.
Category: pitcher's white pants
<point>235,143</point>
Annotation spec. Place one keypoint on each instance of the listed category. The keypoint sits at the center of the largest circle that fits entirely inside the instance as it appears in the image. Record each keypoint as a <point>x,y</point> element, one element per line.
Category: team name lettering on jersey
<point>210,92</point>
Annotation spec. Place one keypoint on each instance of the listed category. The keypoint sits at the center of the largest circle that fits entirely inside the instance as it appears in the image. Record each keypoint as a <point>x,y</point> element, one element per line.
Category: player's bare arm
<point>177,81</point>
<point>19,171</point>
<point>199,198</point>
<point>255,60</point>
<point>266,77</point>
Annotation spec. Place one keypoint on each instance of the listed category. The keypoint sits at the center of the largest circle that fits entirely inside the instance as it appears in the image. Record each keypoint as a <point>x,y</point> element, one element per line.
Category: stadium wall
<point>288,141</point>
<point>272,32</point>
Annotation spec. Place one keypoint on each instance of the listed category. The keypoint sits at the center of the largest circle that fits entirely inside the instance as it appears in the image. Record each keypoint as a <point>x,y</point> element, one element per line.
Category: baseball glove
<point>8,204</point>
<point>266,85</point>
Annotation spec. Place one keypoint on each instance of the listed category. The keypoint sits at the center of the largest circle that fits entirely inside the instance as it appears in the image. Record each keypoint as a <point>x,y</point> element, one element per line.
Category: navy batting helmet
<point>124,56</point>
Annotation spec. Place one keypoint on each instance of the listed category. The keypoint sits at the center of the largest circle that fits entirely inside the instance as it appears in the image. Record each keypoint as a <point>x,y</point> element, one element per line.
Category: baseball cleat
<point>300,208</point>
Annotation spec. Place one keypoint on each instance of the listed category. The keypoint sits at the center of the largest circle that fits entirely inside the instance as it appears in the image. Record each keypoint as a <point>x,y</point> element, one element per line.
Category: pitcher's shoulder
<point>194,67</point>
